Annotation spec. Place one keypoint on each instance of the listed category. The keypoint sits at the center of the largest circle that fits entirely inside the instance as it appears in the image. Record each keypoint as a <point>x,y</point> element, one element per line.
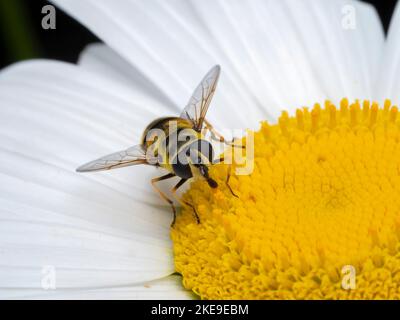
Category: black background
<point>257,309</point>
<point>68,40</point>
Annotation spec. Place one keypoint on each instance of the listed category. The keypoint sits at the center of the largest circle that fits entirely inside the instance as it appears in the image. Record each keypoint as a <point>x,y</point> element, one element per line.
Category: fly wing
<point>197,107</point>
<point>129,157</point>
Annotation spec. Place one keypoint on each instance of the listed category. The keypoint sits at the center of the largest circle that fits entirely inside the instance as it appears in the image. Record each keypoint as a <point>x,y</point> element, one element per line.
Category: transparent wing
<point>198,104</point>
<point>129,157</point>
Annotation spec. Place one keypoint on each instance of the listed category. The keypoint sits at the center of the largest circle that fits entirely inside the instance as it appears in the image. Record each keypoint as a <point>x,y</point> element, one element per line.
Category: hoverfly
<point>189,158</point>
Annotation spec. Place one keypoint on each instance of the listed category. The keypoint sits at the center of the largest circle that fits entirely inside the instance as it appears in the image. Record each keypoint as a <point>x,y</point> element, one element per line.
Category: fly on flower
<point>176,144</point>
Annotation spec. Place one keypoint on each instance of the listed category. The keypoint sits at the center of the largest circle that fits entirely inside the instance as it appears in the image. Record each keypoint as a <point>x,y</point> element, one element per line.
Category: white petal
<point>169,288</point>
<point>274,54</point>
<point>344,60</point>
<point>388,85</point>
<point>51,99</point>
<point>97,229</point>
<point>105,62</point>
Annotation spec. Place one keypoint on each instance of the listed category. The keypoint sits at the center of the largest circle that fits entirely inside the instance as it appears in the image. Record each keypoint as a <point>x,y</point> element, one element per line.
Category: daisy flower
<point>319,217</point>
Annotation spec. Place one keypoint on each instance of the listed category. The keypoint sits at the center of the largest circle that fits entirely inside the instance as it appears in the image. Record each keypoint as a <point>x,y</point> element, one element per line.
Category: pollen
<point>323,199</point>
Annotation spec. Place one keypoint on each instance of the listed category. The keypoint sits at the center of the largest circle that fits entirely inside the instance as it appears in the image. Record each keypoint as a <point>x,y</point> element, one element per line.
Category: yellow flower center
<point>319,217</point>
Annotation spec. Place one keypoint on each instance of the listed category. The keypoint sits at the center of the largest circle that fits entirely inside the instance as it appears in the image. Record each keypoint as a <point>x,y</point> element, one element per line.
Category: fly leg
<point>175,189</point>
<point>228,177</point>
<point>162,194</point>
<point>219,137</point>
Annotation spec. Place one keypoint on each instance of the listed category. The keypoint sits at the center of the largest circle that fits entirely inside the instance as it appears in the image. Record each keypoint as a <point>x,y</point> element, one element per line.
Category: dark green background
<point>22,36</point>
